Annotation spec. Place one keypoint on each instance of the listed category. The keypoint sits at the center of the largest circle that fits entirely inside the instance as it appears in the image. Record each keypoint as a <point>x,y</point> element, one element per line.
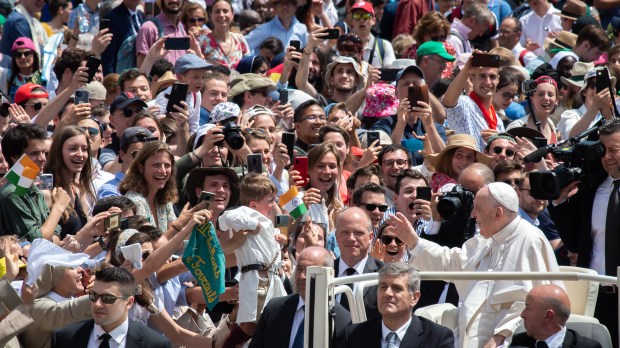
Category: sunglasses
<point>197,20</point>
<point>358,16</point>
<point>105,298</point>
<point>498,150</point>
<point>128,112</point>
<point>439,38</point>
<point>371,207</point>
<point>92,131</point>
<point>261,92</point>
<point>511,182</point>
<point>24,54</point>
<point>399,162</point>
<point>37,106</point>
<point>352,38</point>
<point>387,240</point>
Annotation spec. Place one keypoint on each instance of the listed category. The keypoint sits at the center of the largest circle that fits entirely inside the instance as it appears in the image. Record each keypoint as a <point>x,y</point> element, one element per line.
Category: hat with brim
<point>565,39</point>
<point>166,80</point>
<point>573,9</point>
<point>345,60</point>
<point>592,73</point>
<point>196,178</point>
<point>124,100</point>
<point>524,132</point>
<point>414,69</point>
<point>249,82</point>
<point>434,47</point>
<point>578,73</point>
<point>456,141</point>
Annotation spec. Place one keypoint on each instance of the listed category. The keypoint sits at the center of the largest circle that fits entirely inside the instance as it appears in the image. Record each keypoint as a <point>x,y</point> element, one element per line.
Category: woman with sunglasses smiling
<point>194,18</point>
<point>433,26</point>
<point>388,247</point>
<point>25,67</point>
<point>221,46</point>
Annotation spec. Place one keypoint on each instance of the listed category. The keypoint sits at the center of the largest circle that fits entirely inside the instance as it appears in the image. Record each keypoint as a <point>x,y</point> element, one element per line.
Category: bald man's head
<point>310,256</point>
<point>555,298</point>
<point>353,235</point>
<point>547,308</point>
<point>476,176</point>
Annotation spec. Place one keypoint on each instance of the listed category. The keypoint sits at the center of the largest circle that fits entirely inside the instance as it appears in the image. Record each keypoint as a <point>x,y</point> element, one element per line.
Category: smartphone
<point>177,43</point>
<point>177,94</point>
<point>255,163</point>
<point>207,197</point>
<point>602,80</point>
<point>104,24</point>
<point>45,182</point>
<point>423,192</point>
<point>288,139</point>
<point>540,142</point>
<point>81,97</point>
<point>112,222</point>
<point>282,223</point>
<point>92,64</point>
<point>297,45</point>
<point>371,136</point>
<point>389,74</point>
<point>485,60</point>
<point>418,93</point>
<point>301,165</point>
<point>332,34</point>
<point>124,224</point>
<point>283,96</point>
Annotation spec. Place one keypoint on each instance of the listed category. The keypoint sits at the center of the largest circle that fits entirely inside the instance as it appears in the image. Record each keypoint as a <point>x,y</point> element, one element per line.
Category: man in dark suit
<point>593,232</point>
<point>281,324</point>
<point>547,308</point>
<point>398,293</point>
<point>126,20</point>
<point>111,298</point>
<point>354,236</point>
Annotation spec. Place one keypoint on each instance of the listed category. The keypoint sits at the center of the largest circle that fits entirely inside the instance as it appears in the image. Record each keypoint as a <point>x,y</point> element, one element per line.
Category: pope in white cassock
<point>488,310</point>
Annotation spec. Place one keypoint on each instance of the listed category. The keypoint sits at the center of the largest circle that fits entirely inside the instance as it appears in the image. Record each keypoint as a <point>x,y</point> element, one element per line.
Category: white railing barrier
<point>321,288</point>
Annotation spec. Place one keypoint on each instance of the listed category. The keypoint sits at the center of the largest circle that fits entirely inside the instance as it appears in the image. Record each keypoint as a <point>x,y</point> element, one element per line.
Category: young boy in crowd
<point>258,258</point>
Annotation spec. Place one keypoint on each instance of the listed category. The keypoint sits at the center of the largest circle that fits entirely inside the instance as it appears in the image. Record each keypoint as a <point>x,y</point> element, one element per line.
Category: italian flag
<point>22,174</point>
<point>292,201</point>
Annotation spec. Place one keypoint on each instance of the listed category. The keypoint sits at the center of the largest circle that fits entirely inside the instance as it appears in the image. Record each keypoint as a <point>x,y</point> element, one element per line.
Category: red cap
<point>357,151</point>
<point>363,5</point>
<point>24,93</point>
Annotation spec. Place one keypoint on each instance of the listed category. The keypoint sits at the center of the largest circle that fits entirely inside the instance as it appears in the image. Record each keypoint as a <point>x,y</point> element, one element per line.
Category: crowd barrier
<point>322,287</point>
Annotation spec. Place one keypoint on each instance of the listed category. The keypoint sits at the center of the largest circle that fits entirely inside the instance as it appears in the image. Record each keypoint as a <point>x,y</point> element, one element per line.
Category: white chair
<point>583,294</point>
<point>444,314</point>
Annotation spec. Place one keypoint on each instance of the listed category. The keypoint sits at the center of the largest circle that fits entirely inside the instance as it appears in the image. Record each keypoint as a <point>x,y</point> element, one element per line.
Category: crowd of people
<point>169,170</point>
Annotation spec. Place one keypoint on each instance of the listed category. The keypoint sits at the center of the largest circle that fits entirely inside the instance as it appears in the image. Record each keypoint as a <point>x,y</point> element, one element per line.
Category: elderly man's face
<point>394,300</point>
<point>353,236</point>
<point>485,212</point>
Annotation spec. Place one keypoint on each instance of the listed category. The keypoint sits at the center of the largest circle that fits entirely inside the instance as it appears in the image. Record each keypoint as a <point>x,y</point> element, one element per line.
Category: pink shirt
<point>148,34</point>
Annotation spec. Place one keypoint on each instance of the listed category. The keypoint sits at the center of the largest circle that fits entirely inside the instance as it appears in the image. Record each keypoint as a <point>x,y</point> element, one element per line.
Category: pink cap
<point>363,5</point>
<point>23,42</point>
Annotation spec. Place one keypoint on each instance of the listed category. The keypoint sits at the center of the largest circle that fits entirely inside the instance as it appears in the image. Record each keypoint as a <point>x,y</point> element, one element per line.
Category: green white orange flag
<point>22,174</point>
<point>292,201</point>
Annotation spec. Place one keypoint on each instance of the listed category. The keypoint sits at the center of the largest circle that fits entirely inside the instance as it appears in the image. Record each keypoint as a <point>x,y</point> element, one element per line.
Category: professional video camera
<point>232,136</point>
<point>457,203</point>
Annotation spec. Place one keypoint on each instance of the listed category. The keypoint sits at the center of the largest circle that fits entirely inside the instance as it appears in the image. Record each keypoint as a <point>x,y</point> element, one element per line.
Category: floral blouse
<point>214,53</point>
<point>165,213</point>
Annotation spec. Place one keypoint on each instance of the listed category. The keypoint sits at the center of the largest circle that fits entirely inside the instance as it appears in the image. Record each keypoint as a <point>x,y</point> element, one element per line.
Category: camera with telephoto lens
<point>457,203</point>
<point>232,136</point>
<point>528,86</point>
<point>581,162</point>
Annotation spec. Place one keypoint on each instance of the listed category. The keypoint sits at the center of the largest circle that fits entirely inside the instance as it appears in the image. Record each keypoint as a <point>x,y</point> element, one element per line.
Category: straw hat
<point>166,80</point>
<point>565,39</point>
<point>573,9</point>
<point>456,141</point>
<point>578,72</point>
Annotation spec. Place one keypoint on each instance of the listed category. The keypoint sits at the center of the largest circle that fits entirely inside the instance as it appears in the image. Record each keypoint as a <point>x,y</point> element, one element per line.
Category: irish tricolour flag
<point>292,201</point>
<point>22,174</point>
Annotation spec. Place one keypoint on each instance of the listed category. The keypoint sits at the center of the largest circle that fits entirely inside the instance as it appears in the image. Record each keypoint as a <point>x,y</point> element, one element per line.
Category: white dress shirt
<point>527,58</point>
<point>400,333</point>
<point>536,28</point>
<point>599,217</point>
<point>556,340</point>
<point>299,316</point>
<point>119,336</point>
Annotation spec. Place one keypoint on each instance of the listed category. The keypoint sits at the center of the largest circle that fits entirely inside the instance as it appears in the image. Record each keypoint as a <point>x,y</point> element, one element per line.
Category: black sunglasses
<point>128,112</point>
<point>516,182</point>
<point>25,54</point>
<point>499,149</point>
<point>439,38</point>
<point>387,240</point>
<point>197,20</point>
<point>371,207</point>
<point>92,131</point>
<point>37,106</point>
<point>105,298</point>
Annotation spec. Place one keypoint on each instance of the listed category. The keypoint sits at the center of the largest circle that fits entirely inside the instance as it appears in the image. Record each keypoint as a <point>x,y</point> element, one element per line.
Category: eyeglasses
<point>399,162</point>
<point>24,54</point>
<point>441,62</point>
<point>507,32</point>
<point>92,131</point>
<point>349,37</point>
<point>365,16</point>
<point>197,20</point>
<point>261,92</point>
<point>498,150</point>
<point>128,112</point>
<point>371,207</point>
<point>512,182</point>
<point>105,298</point>
<point>315,117</point>
<point>509,96</point>
<point>37,106</point>
<point>387,240</point>
<point>438,38</point>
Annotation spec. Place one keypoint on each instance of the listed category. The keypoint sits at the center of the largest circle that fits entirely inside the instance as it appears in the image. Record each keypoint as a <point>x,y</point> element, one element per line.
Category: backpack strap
<point>381,45</point>
<point>160,27</point>
<point>457,34</point>
<point>521,56</point>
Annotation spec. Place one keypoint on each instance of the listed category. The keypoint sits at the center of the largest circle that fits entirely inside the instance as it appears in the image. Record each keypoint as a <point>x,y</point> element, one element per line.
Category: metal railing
<point>322,287</point>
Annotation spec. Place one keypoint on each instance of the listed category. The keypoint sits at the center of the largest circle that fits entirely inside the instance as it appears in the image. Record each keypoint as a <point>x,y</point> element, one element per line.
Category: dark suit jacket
<point>138,335</point>
<point>421,333</point>
<point>370,293</point>
<point>571,340</point>
<point>275,324</point>
<point>120,29</point>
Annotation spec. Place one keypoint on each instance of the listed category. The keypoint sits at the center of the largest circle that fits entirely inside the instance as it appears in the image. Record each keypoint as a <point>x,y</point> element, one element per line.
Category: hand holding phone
<point>177,43</point>
<point>282,222</point>
<point>255,163</point>
<point>207,197</point>
<point>485,60</point>
<point>301,165</point>
<point>92,64</point>
<point>177,94</point>
<point>417,93</point>
<point>112,222</point>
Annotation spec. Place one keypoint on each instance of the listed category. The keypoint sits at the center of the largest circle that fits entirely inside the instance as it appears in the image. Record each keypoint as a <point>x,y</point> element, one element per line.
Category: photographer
<point>593,235</point>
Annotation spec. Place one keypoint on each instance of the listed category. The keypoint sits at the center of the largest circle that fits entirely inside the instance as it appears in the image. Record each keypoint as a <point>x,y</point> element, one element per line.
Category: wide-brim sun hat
<point>196,179</point>
<point>345,60</point>
<point>456,141</point>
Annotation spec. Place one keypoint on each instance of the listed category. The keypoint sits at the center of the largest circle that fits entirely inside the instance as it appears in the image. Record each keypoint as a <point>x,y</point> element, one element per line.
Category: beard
<point>343,89</point>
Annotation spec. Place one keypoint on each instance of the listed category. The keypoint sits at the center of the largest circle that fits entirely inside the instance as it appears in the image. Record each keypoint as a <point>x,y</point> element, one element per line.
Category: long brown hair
<point>314,156</point>
<point>135,181</point>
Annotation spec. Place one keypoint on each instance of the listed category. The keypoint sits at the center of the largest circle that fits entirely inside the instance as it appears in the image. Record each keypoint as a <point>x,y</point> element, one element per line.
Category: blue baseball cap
<point>189,62</point>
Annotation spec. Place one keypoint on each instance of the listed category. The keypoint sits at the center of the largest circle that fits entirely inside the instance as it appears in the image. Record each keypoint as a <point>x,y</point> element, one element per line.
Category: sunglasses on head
<point>371,207</point>
<point>37,106</point>
<point>128,112</point>
<point>498,150</point>
<point>92,131</point>
<point>352,38</point>
<point>387,240</point>
<point>24,54</point>
<point>197,20</point>
<point>105,298</point>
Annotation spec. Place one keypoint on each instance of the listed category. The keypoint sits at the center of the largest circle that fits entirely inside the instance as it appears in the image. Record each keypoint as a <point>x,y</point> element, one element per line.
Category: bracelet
<point>75,38</point>
<point>195,155</point>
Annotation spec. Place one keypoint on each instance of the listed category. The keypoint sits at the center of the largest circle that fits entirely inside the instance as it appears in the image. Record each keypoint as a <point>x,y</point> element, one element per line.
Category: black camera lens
<point>234,140</point>
<point>448,206</point>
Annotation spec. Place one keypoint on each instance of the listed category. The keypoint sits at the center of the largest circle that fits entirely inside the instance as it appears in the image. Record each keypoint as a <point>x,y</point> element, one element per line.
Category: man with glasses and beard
<point>169,20</point>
